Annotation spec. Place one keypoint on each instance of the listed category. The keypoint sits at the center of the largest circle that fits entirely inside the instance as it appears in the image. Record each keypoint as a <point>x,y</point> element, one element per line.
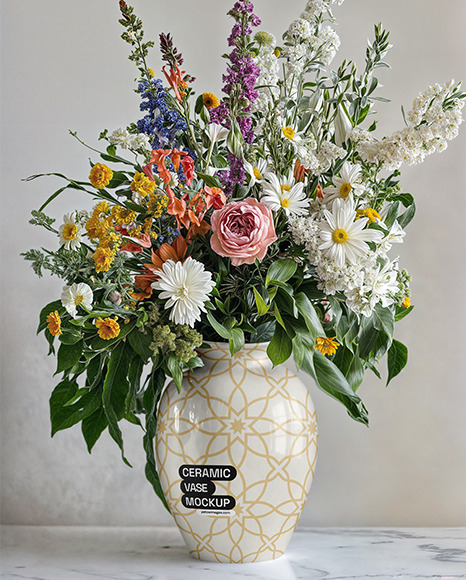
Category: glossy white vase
<point>236,451</point>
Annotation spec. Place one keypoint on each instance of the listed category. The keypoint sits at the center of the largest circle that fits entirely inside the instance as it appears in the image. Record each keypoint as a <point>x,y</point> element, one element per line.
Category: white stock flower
<point>120,137</point>
<point>186,287</point>
<point>283,194</point>
<point>75,295</point>
<point>343,237</point>
<point>70,232</point>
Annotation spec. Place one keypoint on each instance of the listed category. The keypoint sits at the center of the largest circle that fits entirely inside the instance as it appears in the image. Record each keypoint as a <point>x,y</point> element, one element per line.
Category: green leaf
<point>93,426</point>
<point>308,312</point>
<point>281,271</point>
<point>151,397</point>
<point>236,341</point>
<point>280,347</point>
<point>209,180</point>
<point>69,337</point>
<point>219,328</point>
<point>68,355</point>
<point>350,365</point>
<point>174,370</point>
<point>368,338</point>
<point>115,390</point>
<point>262,307</point>
<point>140,342</point>
<point>397,359</point>
<point>63,414</point>
<point>384,319</point>
<point>401,312</point>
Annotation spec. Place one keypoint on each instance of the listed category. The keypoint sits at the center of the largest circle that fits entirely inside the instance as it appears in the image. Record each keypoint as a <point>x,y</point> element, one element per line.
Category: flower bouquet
<point>267,216</point>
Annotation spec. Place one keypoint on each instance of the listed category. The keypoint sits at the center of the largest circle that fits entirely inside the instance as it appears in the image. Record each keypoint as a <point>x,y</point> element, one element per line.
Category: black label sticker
<point>198,488</point>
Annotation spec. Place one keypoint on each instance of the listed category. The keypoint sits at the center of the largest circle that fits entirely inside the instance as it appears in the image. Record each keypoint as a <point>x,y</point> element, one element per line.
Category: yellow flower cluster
<point>156,204</point>
<point>142,184</point>
<point>100,227</point>
<point>100,176</point>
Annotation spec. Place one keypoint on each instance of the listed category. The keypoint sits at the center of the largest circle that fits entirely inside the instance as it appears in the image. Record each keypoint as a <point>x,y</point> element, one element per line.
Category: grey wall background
<point>64,67</point>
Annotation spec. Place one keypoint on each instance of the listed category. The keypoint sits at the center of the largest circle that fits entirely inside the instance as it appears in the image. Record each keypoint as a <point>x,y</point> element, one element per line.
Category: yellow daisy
<point>327,346</point>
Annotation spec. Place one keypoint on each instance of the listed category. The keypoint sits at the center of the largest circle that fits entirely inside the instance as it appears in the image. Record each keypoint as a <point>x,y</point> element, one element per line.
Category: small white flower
<point>343,237</point>
<point>186,287</point>
<point>217,132</point>
<point>76,294</point>
<point>256,172</point>
<point>70,232</point>
<point>284,194</point>
<point>346,184</point>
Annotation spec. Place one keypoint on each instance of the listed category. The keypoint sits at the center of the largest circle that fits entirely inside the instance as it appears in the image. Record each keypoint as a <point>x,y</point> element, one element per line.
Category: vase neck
<point>250,354</point>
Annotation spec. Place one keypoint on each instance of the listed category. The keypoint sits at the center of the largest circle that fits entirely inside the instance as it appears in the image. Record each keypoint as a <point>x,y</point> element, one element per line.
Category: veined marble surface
<point>85,553</point>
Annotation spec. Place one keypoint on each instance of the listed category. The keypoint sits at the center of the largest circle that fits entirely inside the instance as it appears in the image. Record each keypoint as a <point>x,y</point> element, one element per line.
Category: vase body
<point>236,450</point>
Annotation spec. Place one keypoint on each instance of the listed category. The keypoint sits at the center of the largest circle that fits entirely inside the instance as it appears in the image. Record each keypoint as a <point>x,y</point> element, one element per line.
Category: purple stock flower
<point>239,83</point>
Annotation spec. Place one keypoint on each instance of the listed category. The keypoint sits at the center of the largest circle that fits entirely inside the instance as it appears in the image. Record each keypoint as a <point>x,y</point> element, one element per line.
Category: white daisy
<point>76,294</point>
<point>186,285</point>
<point>346,184</point>
<point>256,172</point>
<point>70,232</point>
<point>284,193</point>
<point>344,238</point>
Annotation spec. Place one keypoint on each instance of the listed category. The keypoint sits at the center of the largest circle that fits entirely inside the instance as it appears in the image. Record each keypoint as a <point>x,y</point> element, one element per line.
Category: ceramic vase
<point>236,451</point>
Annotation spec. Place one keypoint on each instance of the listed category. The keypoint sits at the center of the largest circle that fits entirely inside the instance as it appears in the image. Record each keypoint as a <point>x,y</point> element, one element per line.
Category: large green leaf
<point>281,271</point>
<point>151,397</point>
<point>93,426</point>
<point>115,390</point>
<point>397,359</point>
<point>68,355</point>
<point>280,347</point>
<point>63,414</point>
<point>308,312</point>
<point>141,341</point>
<point>384,319</point>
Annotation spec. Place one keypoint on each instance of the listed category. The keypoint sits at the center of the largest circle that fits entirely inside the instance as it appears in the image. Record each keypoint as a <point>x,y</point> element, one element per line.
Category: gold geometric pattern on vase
<point>237,412</point>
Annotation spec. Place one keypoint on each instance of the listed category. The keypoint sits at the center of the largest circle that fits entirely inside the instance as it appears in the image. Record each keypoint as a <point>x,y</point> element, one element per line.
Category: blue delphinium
<point>161,123</point>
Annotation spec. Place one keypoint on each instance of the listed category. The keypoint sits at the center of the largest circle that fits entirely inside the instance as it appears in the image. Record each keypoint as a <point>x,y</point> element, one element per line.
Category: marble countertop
<point>86,553</point>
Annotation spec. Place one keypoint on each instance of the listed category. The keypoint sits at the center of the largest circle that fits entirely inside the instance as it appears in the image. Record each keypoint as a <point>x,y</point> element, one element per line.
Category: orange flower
<point>54,323</point>
<point>300,172</point>
<point>158,158</point>
<point>175,80</point>
<point>108,328</point>
<point>215,197</point>
<point>199,230</point>
<point>320,192</point>
<point>176,157</point>
<point>188,167</point>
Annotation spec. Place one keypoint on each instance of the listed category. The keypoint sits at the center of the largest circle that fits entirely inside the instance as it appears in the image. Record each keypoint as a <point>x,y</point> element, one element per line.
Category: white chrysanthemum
<point>186,287</point>
<point>257,171</point>
<point>346,184</point>
<point>75,295</point>
<point>284,194</point>
<point>140,141</point>
<point>120,137</point>
<point>343,237</point>
<point>70,232</point>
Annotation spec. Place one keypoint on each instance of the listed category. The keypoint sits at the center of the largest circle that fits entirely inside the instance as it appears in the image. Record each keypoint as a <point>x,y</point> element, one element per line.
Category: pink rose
<point>242,231</point>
